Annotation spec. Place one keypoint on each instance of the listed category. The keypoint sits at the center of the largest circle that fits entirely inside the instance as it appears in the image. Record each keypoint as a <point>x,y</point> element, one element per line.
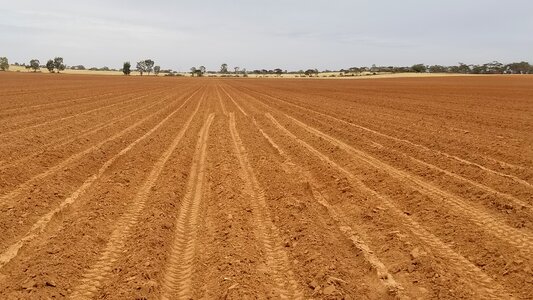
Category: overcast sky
<point>289,34</point>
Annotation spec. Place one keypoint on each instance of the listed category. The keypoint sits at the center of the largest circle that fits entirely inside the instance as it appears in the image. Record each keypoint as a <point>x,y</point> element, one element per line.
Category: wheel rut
<point>93,277</point>
<point>177,279</point>
<point>401,140</point>
<point>384,276</point>
<point>72,116</point>
<point>484,285</point>
<point>224,110</point>
<point>8,198</point>
<point>68,139</point>
<point>267,233</point>
<point>486,221</point>
<point>39,226</point>
<point>234,102</point>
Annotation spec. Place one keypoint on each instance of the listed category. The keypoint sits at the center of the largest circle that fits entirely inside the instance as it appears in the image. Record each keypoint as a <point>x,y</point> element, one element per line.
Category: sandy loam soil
<point>180,188</point>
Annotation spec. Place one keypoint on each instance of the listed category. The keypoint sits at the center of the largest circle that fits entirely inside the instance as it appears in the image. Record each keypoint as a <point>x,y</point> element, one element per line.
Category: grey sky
<point>290,34</point>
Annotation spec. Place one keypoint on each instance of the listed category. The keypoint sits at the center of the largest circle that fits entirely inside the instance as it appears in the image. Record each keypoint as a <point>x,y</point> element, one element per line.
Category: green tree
<point>4,63</point>
<point>224,68</point>
<point>126,68</point>
<point>50,66</point>
<point>193,71</point>
<point>157,69</point>
<point>437,69</point>
<point>419,68</point>
<point>311,72</point>
<point>494,67</point>
<point>58,64</point>
<point>149,65</point>
<point>35,64</point>
<point>202,70</point>
<point>461,68</point>
<point>236,69</point>
<point>519,68</point>
<point>141,67</point>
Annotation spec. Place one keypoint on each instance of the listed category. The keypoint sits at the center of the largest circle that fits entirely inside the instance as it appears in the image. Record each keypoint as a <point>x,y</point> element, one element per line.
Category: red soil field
<point>179,188</point>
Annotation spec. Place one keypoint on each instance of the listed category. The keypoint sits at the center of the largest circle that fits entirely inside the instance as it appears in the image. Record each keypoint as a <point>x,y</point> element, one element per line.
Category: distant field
<point>179,188</point>
<point>325,75</point>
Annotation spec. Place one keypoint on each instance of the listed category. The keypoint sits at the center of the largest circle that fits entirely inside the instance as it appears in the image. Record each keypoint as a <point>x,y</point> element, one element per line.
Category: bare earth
<point>179,188</point>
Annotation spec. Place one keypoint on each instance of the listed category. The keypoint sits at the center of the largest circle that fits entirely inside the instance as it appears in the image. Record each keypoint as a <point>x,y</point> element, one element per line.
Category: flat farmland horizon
<point>148,187</point>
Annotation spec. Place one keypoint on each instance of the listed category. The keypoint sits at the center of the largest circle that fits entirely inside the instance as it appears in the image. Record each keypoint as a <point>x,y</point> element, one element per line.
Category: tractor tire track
<point>404,141</point>
<point>479,216</point>
<point>28,109</point>
<point>482,282</point>
<point>177,281</point>
<point>7,198</point>
<point>382,272</point>
<point>39,226</point>
<point>224,110</point>
<point>267,233</point>
<point>234,102</point>
<point>76,115</point>
<point>68,139</point>
<point>92,279</point>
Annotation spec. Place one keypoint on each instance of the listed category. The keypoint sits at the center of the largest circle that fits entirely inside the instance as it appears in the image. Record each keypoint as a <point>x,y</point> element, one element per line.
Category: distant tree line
<point>148,66</point>
<point>493,67</point>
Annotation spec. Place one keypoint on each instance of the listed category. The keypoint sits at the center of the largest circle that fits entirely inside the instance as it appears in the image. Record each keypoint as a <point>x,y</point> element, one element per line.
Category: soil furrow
<point>382,272</point>
<point>39,226</point>
<point>177,281</point>
<point>492,224</point>
<point>73,116</point>
<point>276,258</point>
<point>65,140</point>
<point>221,102</point>
<point>9,197</point>
<point>234,102</point>
<point>92,279</point>
<point>401,140</point>
<point>484,284</point>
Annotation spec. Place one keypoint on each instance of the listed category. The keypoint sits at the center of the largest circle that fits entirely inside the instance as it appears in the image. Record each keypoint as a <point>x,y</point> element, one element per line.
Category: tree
<point>461,68</point>
<point>236,69</point>
<point>437,69</point>
<point>149,66</point>
<point>157,69</point>
<point>34,64</point>
<point>4,63</point>
<point>494,67</point>
<point>198,72</point>
<point>419,68</point>
<point>145,66</point>
<point>58,64</point>
<point>278,71</point>
<point>310,72</point>
<point>126,68</point>
<point>519,68</point>
<point>141,67</point>
<point>50,66</point>
<point>224,68</point>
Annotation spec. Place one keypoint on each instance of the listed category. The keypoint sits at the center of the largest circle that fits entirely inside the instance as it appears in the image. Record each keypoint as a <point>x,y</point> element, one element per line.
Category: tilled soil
<point>180,188</point>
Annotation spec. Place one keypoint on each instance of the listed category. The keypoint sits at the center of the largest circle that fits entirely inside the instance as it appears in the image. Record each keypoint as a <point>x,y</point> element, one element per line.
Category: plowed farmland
<point>170,188</point>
